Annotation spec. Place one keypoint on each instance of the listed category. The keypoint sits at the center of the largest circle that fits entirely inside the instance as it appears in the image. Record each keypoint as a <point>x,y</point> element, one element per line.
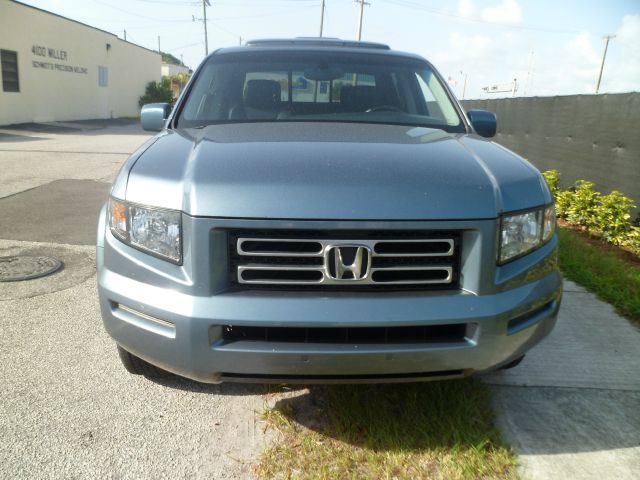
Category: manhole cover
<point>13,269</point>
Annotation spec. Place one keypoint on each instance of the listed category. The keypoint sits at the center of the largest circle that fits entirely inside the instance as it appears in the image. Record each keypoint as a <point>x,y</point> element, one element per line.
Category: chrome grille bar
<point>374,245</point>
<point>305,261</point>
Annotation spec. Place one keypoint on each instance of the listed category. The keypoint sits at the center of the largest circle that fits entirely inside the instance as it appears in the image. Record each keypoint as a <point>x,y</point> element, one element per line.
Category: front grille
<point>421,334</point>
<point>341,260</point>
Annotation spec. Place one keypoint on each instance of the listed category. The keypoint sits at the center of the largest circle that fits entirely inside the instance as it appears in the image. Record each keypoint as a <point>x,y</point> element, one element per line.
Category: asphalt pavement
<point>69,410</point>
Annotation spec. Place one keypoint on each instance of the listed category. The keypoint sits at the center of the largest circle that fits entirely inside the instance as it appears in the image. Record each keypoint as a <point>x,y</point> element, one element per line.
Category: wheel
<point>137,366</point>
<point>512,363</point>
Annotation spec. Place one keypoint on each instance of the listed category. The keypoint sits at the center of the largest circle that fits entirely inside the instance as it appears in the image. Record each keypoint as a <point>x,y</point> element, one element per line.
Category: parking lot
<point>69,409</point>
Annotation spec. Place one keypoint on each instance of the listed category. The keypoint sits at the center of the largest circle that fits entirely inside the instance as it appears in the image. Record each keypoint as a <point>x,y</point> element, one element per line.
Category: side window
<point>103,76</point>
<point>435,98</point>
<point>281,77</point>
<point>9,62</point>
<point>426,91</point>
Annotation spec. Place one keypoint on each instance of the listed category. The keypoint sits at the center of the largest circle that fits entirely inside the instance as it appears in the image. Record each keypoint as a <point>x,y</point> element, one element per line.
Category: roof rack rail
<point>315,42</point>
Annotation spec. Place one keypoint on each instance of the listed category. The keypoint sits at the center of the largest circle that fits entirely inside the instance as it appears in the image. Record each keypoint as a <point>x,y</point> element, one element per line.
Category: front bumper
<point>180,331</point>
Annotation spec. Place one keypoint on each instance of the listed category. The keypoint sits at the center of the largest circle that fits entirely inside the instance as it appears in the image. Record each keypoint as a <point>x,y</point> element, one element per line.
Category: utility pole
<point>206,40</point>
<point>205,4</point>
<point>321,18</point>
<point>362,4</point>
<point>464,86</point>
<point>527,85</point>
<point>604,55</point>
<point>159,51</point>
<point>125,35</point>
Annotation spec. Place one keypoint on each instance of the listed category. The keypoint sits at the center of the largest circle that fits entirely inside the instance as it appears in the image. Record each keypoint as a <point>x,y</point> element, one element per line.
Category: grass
<point>438,430</point>
<point>608,273</point>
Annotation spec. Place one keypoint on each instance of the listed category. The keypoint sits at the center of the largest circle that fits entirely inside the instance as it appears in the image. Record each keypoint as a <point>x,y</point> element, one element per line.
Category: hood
<point>332,171</point>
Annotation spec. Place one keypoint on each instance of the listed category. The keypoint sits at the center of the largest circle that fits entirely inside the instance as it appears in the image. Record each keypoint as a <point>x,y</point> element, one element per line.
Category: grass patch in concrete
<point>610,274</point>
<point>438,430</point>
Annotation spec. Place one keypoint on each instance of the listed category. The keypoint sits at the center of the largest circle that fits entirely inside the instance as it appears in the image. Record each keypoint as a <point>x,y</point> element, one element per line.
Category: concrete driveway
<point>68,408</point>
<point>571,409</point>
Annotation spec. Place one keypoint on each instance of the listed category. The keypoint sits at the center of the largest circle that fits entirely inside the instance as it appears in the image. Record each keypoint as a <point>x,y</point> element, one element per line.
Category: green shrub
<point>564,198</point>
<point>613,219</point>
<point>606,215</point>
<point>552,177</point>
<point>632,240</point>
<point>157,92</point>
<point>585,201</point>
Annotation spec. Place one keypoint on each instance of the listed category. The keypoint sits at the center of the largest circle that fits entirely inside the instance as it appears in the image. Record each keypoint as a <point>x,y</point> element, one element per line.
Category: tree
<point>157,92</point>
<point>168,58</point>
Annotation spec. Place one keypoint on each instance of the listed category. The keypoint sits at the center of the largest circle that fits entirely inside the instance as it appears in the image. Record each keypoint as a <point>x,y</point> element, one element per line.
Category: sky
<point>550,47</point>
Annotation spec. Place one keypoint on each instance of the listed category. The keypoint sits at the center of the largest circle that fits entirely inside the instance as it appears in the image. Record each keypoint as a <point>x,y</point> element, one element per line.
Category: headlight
<point>154,230</point>
<point>523,232</point>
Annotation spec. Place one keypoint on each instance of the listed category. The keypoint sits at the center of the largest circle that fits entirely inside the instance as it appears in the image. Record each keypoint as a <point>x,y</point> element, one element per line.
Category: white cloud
<point>569,65</point>
<point>466,8</point>
<point>623,73</point>
<point>509,11</point>
<point>629,32</point>
<point>488,60</point>
<point>582,47</point>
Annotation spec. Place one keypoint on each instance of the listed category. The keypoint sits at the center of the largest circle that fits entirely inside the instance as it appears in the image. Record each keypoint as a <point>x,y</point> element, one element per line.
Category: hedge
<point>606,216</point>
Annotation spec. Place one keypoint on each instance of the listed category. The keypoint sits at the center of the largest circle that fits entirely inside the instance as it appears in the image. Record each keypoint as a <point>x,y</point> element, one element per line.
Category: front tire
<point>137,366</point>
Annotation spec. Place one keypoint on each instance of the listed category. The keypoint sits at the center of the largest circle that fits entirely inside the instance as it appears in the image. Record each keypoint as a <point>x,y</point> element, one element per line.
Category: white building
<point>169,69</point>
<point>55,69</point>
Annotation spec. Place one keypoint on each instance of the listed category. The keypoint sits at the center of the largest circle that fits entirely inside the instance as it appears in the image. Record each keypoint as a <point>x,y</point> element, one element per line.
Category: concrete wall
<point>169,69</point>
<point>591,137</point>
<point>58,62</point>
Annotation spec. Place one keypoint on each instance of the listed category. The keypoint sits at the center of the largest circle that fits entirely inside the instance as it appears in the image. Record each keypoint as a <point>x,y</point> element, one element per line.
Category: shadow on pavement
<point>230,389</point>
<point>43,214</point>
<point>547,421</point>
<point>15,138</point>
<point>458,413</point>
<point>392,417</point>
<point>79,127</point>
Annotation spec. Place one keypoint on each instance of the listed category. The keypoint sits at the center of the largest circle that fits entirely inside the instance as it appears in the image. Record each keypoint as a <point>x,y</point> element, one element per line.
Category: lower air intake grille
<point>344,260</point>
<point>451,333</point>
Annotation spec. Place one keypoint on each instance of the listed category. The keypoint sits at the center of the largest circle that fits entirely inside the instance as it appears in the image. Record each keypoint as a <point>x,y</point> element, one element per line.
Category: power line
<point>136,14</point>
<point>435,11</point>
<point>171,2</point>
<point>271,14</point>
<point>220,27</point>
<point>184,46</point>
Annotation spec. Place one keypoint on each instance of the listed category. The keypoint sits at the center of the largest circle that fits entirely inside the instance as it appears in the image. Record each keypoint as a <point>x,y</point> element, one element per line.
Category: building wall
<point>590,137</point>
<point>168,69</point>
<point>60,81</point>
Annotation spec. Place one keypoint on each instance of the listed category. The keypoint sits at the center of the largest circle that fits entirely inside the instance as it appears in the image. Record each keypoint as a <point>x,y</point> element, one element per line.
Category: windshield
<point>318,86</point>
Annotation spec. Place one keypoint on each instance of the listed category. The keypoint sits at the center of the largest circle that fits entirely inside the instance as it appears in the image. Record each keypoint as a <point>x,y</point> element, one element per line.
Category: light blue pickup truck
<point>318,210</point>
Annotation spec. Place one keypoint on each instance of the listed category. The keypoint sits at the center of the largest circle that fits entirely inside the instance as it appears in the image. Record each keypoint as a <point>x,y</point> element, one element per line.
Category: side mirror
<point>154,115</point>
<point>484,123</point>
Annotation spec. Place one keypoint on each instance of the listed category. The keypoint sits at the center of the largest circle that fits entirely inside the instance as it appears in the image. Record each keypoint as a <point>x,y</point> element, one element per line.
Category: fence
<point>590,137</point>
